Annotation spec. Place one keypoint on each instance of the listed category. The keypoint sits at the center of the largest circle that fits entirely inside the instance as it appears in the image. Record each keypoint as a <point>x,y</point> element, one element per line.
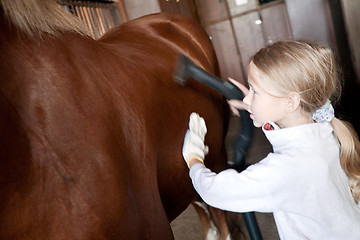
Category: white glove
<point>194,146</point>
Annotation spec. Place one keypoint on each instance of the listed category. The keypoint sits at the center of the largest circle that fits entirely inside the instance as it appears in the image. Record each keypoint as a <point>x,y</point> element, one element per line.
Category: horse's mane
<point>36,17</point>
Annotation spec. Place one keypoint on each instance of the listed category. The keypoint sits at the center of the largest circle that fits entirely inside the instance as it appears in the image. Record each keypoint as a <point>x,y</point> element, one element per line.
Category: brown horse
<point>91,131</point>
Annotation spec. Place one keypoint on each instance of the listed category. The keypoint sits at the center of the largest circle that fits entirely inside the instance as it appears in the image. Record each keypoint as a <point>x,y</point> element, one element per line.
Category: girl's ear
<point>293,102</point>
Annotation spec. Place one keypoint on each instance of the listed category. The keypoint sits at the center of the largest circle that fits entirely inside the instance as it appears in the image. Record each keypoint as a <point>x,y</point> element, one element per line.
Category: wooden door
<point>239,28</point>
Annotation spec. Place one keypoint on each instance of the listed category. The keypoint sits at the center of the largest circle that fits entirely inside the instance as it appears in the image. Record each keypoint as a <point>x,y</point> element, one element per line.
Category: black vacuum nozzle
<point>186,69</point>
<point>181,70</point>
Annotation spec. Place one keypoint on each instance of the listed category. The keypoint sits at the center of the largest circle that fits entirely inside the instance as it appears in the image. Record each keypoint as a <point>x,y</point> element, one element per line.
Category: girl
<point>311,180</point>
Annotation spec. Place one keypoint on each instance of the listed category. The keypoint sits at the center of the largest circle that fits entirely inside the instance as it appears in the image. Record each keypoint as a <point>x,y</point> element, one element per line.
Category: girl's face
<point>263,106</point>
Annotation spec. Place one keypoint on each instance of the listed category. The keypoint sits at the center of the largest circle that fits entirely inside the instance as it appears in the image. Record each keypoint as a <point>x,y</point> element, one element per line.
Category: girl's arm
<point>261,187</point>
<point>228,190</point>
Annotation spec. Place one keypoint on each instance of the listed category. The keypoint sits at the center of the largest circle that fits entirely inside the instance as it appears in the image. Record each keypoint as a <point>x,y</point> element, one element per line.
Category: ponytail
<point>349,154</point>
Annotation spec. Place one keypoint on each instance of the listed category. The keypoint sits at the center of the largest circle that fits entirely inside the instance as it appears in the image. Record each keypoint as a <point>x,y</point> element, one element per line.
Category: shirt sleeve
<point>261,187</point>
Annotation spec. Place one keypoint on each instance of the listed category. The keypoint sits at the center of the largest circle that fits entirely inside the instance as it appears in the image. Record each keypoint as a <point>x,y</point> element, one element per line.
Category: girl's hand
<point>235,105</point>
<point>194,147</point>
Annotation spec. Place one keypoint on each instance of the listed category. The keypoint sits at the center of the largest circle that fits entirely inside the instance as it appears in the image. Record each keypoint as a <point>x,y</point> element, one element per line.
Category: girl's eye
<point>252,89</point>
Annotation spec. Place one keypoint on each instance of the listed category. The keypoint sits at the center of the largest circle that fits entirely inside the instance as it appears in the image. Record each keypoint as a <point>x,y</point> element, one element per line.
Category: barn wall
<point>240,28</point>
<point>310,20</point>
<point>237,34</point>
<point>138,8</point>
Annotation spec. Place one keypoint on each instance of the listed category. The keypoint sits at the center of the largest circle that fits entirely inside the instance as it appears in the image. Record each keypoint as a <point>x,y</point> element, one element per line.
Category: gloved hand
<point>194,147</point>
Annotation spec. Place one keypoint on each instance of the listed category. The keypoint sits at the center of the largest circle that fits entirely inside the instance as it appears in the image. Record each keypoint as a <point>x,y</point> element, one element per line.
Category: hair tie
<point>324,114</point>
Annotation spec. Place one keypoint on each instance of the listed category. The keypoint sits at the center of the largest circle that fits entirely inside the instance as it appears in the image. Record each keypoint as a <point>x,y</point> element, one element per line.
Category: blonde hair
<point>36,17</point>
<point>310,69</point>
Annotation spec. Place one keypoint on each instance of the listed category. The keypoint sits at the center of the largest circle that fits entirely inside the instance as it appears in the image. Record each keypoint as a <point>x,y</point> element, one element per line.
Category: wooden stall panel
<point>210,11</point>
<point>310,21</point>
<point>241,6</point>
<point>226,51</point>
<point>138,8</point>
<point>184,7</point>
<point>249,36</point>
<point>98,16</point>
<point>275,22</point>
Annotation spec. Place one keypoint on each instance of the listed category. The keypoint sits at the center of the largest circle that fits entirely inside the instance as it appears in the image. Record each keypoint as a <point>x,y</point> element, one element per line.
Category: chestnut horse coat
<point>91,132</point>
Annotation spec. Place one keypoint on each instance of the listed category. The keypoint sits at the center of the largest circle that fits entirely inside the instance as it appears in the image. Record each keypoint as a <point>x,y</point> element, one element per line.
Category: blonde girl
<point>311,180</point>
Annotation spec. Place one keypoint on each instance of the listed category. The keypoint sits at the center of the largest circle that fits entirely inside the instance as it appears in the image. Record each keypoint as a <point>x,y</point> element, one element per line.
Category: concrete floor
<point>188,227</point>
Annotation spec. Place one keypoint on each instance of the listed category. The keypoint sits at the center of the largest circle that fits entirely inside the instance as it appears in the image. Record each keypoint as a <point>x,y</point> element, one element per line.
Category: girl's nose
<point>247,99</point>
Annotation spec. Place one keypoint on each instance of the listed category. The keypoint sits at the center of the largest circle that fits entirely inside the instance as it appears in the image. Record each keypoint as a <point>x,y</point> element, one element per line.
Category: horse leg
<point>222,225</point>
<point>213,221</point>
<point>210,230</point>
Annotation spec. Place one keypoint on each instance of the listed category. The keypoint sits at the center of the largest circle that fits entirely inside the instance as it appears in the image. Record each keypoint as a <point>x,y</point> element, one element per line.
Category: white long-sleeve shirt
<point>301,182</point>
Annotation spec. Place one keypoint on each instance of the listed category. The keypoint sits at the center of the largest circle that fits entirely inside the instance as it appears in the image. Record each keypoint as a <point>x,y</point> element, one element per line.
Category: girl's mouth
<point>251,116</point>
